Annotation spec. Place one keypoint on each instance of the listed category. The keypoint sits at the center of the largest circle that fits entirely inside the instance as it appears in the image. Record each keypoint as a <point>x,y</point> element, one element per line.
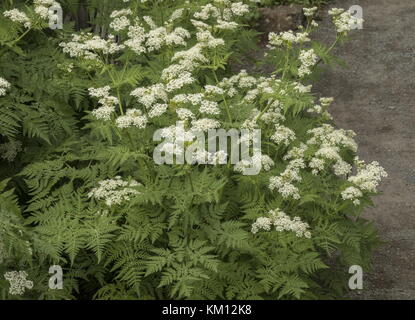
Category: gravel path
<point>375,97</point>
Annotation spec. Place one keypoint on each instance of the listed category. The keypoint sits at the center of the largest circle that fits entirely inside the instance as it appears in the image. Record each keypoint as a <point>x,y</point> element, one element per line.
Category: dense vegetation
<point>80,188</point>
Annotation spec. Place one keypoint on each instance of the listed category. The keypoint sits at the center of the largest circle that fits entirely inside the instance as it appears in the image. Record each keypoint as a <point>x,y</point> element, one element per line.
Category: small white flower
<point>283,135</point>
<point>132,118</point>
<point>308,12</point>
<point>282,222</point>
<point>106,101</point>
<point>205,124</point>
<point>18,16</point>
<point>352,193</point>
<point>120,23</point>
<point>308,59</point>
<point>369,176</point>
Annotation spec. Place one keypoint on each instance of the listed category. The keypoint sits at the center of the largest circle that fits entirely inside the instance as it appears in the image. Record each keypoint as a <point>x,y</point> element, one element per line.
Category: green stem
<point>224,99</point>
<point>20,38</point>
<point>118,93</point>
<point>265,110</point>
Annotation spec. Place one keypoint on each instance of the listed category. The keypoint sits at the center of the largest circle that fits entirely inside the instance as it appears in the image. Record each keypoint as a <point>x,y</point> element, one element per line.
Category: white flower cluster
<point>120,23</point>
<point>296,152</point>
<point>106,101</point>
<point>114,191</point>
<point>302,88</point>
<point>261,86</point>
<point>89,46</point>
<point>367,179</point>
<point>308,59</point>
<point>368,176</point>
<point>66,67</point>
<point>159,37</point>
<point>205,124</point>
<point>198,99</point>
<point>287,38</point>
<point>207,12</point>
<point>154,98</point>
<point>41,8</point>
<point>18,16</point>
<point>209,107</point>
<point>18,282</point>
<point>352,193</point>
<point>283,135</point>
<point>120,13</point>
<point>206,38</point>
<point>4,85</point>
<point>238,9</point>
<point>344,21</point>
<point>341,168</point>
<point>213,90</point>
<point>203,103</point>
<point>330,141</point>
<point>273,115</point>
<point>148,96</point>
<point>175,137</point>
<point>136,39</point>
<point>242,80</point>
<point>219,157</point>
<point>231,9</point>
<point>251,88</point>
<point>185,114</point>
<point>322,107</point>
<point>282,222</point>
<point>178,74</point>
<point>146,36</point>
<point>328,135</point>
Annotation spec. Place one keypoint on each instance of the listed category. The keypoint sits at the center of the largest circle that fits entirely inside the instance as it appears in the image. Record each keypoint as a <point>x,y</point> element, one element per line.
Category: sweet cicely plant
<point>83,192</point>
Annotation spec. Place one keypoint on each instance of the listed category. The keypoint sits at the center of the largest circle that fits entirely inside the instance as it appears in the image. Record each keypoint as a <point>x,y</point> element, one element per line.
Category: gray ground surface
<point>375,97</point>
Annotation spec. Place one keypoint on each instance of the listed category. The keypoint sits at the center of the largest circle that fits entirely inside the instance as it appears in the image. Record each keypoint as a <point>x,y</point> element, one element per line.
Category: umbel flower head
<point>18,16</point>
<point>4,85</point>
<point>343,20</point>
<point>114,191</point>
